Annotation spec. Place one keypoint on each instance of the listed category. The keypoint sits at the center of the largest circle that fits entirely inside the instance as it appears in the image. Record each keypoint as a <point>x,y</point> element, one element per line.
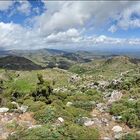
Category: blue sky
<point>69,24</point>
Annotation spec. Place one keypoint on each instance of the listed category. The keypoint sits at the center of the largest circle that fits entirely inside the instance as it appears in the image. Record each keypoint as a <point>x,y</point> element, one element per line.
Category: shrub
<point>62,96</point>
<point>129,137</point>
<point>68,113</point>
<point>46,115</point>
<point>34,106</point>
<point>10,105</point>
<point>84,105</point>
<point>94,95</point>
<point>129,110</point>
<point>42,90</point>
<point>77,69</point>
<point>42,133</point>
<point>78,132</point>
<point>76,112</point>
<point>117,109</point>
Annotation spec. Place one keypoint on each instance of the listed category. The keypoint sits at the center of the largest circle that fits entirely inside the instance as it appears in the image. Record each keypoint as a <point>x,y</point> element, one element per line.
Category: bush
<point>129,137</point>
<point>78,132</point>
<point>69,131</point>
<point>68,113</point>
<point>42,133</point>
<point>84,105</point>
<point>61,96</point>
<point>77,69</point>
<point>42,92</point>
<point>129,110</point>
<point>34,106</point>
<point>46,115</point>
<point>94,95</point>
<point>10,105</point>
<point>117,109</point>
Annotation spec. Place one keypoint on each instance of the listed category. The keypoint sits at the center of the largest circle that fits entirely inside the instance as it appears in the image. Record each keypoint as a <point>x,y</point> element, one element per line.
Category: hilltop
<point>107,68</point>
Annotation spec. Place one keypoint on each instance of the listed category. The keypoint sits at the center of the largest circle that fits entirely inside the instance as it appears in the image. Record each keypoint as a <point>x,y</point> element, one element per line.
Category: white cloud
<point>13,36</point>
<point>113,28</point>
<point>126,20</point>
<point>5,5</point>
<point>25,7</point>
<point>71,35</point>
<point>63,22</point>
<point>62,15</point>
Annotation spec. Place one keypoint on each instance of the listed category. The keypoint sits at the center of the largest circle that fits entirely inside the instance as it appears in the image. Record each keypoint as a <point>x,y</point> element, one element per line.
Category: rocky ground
<point>109,129</point>
<point>9,121</point>
<point>109,126</point>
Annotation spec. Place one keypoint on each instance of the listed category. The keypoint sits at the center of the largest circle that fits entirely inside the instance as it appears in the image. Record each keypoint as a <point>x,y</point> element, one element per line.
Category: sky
<point>36,24</point>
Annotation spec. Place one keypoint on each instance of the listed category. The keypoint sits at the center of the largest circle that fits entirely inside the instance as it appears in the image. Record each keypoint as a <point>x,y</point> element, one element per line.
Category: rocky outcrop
<point>115,96</point>
<point>4,109</point>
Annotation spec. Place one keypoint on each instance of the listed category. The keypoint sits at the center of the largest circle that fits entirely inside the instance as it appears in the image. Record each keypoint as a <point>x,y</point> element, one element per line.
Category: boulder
<point>117,129</point>
<point>4,109</point>
<point>118,136</point>
<point>115,96</point>
<point>23,108</point>
<point>60,119</point>
<point>85,121</point>
<point>105,121</point>
<point>34,126</point>
<point>97,122</point>
<point>103,83</point>
<point>69,104</point>
<point>101,107</point>
<point>74,79</point>
<point>88,122</point>
<point>116,118</point>
<point>106,138</point>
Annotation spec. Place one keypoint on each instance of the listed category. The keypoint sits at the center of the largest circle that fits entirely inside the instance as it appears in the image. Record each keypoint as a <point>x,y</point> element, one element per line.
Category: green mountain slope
<point>18,63</point>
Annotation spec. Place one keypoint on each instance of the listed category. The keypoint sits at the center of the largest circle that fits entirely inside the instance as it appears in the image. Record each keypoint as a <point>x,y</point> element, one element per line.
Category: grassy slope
<point>26,80</point>
<point>108,69</point>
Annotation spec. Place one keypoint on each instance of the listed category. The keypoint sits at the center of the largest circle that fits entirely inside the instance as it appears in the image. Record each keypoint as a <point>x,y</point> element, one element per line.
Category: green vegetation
<point>73,95</point>
<point>67,131</point>
<point>129,112</point>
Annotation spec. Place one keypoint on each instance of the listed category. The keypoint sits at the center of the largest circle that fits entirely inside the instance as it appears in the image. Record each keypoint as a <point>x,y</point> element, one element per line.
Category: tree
<point>43,90</point>
<point>40,78</point>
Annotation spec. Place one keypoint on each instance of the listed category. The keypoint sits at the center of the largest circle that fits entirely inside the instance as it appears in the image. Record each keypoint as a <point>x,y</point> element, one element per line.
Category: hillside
<point>98,99</point>
<point>49,57</point>
<point>107,67</point>
<point>17,63</point>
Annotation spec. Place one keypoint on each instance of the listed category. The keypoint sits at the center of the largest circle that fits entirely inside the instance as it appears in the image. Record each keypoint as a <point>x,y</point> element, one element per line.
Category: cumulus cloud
<point>14,36</point>
<point>11,36</point>
<point>126,19</point>
<point>60,16</point>
<point>5,5</point>
<point>70,35</point>
<point>25,7</point>
<point>62,24</point>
